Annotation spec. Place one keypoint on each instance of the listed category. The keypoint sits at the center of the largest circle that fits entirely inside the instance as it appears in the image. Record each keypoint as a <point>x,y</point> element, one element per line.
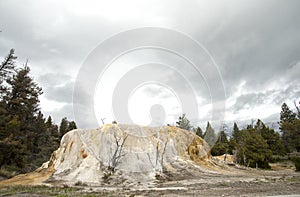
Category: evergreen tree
<point>72,125</point>
<point>12,151</point>
<point>256,150</point>
<point>291,135</point>
<point>66,126</point>
<point>221,146</point>
<point>252,150</point>
<point>49,122</point>
<point>26,140</point>
<point>198,131</point>
<point>209,135</point>
<point>8,64</point>
<point>40,142</point>
<point>47,140</point>
<point>7,68</point>
<point>222,138</point>
<point>183,123</point>
<point>235,132</point>
<point>271,137</point>
<point>63,127</point>
<point>290,128</point>
<point>54,135</point>
<point>23,102</point>
<point>12,154</point>
<point>286,115</point>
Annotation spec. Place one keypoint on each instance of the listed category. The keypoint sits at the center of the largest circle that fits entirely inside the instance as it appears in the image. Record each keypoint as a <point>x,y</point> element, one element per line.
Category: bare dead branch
<point>118,153</point>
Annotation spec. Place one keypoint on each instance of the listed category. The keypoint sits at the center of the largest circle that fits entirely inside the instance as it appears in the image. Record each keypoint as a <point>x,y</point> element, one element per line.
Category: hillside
<point>133,152</point>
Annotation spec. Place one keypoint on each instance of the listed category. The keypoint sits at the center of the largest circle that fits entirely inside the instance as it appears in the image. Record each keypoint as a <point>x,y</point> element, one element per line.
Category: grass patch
<point>50,191</point>
<point>8,171</point>
<point>41,190</point>
<point>293,179</point>
<point>224,184</point>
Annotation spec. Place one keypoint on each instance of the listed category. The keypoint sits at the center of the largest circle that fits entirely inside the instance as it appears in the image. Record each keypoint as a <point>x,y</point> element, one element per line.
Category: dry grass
<point>37,190</point>
<point>32,178</point>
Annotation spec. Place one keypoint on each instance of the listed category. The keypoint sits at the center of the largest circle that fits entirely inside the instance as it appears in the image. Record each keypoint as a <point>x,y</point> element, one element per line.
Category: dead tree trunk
<point>118,153</point>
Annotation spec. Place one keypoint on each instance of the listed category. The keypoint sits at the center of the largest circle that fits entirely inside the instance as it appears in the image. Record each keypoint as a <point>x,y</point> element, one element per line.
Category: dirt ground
<point>234,186</point>
<point>237,181</point>
<point>253,183</point>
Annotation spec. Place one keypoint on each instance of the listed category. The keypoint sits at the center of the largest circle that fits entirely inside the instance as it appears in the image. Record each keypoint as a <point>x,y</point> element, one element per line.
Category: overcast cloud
<point>256,45</point>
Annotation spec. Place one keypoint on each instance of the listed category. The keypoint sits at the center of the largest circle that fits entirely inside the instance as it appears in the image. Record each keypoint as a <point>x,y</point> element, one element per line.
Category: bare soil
<point>252,183</point>
<point>237,181</point>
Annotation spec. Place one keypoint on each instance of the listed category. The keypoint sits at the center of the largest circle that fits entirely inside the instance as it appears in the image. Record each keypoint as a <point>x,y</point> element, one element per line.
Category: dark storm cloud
<point>290,94</point>
<point>62,93</point>
<point>57,87</point>
<point>248,101</point>
<point>55,40</point>
<point>256,42</point>
<point>49,35</point>
<point>53,79</point>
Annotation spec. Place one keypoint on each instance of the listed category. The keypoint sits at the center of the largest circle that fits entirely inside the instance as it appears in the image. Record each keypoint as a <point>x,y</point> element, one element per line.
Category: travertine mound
<point>132,151</point>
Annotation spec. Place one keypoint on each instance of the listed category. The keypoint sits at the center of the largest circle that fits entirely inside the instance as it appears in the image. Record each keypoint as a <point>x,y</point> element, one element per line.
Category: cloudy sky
<point>147,62</point>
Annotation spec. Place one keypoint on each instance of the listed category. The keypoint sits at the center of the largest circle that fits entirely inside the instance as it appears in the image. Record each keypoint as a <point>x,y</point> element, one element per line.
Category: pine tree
<point>66,126</point>
<point>235,132</point>
<point>6,70</point>
<point>63,127</point>
<point>8,64</point>
<point>222,138</point>
<point>26,140</point>
<point>286,115</point>
<point>40,141</point>
<point>22,105</point>
<point>198,131</point>
<point>49,122</point>
<point>183,123</point>
<point>256,150</point>
<point>72,125</point>
<point>12,151</point>
<point>221,146</point>
<point>271,137</point>
<point>291,135</point>
<point>290,128</point>
<point>252,150</point>
<point>209,135</point>
<point>55,137</point>
<point>23,100</point>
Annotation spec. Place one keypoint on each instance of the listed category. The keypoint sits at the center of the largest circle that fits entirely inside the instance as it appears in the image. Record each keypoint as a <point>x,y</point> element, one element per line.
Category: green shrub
<point>80,183</point>
<point>296,161</point>
<point>106,175</point>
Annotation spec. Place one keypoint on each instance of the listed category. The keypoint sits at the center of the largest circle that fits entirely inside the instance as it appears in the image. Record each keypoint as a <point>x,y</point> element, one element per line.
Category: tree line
<point>256,144</point>
<point>27,138</point>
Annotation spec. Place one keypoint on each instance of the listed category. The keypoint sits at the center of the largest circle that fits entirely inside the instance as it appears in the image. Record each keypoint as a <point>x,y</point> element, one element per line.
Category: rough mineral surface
<point>135,152</point>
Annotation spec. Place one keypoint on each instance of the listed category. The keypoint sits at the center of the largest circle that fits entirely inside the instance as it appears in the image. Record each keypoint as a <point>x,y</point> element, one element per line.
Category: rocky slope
<point>132,152</point>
